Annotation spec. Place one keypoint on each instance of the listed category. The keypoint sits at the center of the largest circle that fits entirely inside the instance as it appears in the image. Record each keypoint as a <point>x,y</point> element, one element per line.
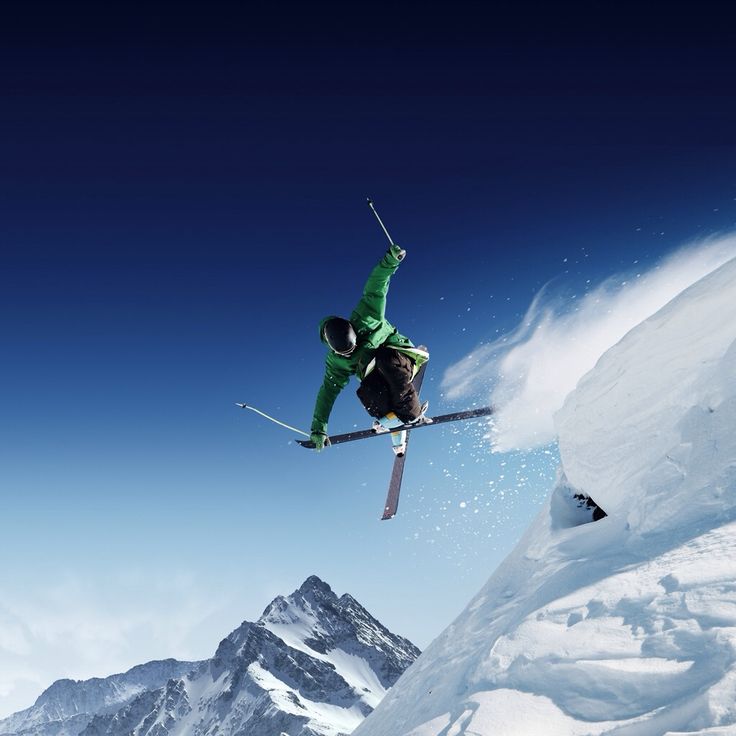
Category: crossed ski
<point>364,434</point>
<point>394,488</point>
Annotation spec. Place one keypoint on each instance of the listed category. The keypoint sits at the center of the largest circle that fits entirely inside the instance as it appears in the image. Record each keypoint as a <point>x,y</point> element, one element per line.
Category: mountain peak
<point>312,663</point>
<point>312,591</point>
<point>313,583</point>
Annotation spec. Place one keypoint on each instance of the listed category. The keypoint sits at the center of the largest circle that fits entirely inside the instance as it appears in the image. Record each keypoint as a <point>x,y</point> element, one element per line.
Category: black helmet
<point>340,335</point>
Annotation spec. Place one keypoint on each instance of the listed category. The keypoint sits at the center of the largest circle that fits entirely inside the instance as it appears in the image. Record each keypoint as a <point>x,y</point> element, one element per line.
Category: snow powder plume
<point>532,370</point>
<point>624,626</point>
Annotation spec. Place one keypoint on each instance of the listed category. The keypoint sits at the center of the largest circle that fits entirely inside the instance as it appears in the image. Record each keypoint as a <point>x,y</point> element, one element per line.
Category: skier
<point>384,361</point>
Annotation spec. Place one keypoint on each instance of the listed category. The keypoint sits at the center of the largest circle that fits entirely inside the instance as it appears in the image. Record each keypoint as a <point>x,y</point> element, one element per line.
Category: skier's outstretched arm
<point>373,302</point>
<point>335,380</point>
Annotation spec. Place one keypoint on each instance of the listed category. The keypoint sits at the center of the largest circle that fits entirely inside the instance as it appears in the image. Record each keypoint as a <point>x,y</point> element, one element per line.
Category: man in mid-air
<point>372,349</point>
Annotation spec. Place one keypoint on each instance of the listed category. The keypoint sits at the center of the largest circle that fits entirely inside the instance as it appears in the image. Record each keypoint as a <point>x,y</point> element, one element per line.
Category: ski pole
<point>370,204</point>
<point>275,421</point>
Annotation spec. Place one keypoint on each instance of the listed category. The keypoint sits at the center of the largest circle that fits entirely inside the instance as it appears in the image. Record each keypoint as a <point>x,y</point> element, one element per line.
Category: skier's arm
<point>373,303</point>
<point>335,380</point>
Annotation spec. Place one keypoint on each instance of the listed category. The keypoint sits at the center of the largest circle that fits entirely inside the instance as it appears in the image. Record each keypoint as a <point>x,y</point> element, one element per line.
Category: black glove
<point>320,439</point>
<point>397,252</point>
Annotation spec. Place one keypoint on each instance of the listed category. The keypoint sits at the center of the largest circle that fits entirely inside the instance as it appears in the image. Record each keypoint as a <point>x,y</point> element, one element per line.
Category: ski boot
<point>422,418</point>
<point>398,439</point>
<point>386,424</point>
<point>398,442</point>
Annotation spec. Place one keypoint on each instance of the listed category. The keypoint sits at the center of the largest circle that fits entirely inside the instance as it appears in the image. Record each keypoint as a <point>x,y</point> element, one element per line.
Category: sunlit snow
<point>627,625</point>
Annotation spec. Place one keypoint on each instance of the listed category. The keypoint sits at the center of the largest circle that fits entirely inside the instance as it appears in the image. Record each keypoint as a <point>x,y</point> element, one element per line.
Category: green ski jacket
<point>373,330</point>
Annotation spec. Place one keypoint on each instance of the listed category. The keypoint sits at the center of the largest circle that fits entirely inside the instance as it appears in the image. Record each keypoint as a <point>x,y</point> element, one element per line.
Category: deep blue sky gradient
<point>182,199</point>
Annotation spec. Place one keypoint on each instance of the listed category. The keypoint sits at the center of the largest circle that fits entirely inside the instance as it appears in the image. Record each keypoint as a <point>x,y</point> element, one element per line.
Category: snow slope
<point>624,626</point>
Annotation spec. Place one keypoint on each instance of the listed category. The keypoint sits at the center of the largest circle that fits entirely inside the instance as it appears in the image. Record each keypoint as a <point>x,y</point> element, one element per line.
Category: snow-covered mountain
<point>65,708</point>
<point>627,625</point>
<point>312,665</point>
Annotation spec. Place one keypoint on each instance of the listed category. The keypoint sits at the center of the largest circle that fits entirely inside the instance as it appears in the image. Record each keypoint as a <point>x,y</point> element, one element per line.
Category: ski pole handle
<point>370,204</point>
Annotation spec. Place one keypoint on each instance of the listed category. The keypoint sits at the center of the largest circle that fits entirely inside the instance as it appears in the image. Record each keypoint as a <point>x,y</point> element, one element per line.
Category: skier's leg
<point>375,395</point>
<point>397,369</point>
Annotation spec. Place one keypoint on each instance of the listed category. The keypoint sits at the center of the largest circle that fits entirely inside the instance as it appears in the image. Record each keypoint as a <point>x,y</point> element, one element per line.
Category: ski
<point>394,487</point>
<point>364,434</point>
<point>397,472</point>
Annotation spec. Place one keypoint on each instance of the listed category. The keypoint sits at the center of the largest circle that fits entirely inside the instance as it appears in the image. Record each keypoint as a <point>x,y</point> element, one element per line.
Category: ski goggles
<point>345,353</point>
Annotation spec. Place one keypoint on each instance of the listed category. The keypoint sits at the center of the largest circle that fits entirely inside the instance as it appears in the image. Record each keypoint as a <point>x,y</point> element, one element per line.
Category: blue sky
<point>183,200</point>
